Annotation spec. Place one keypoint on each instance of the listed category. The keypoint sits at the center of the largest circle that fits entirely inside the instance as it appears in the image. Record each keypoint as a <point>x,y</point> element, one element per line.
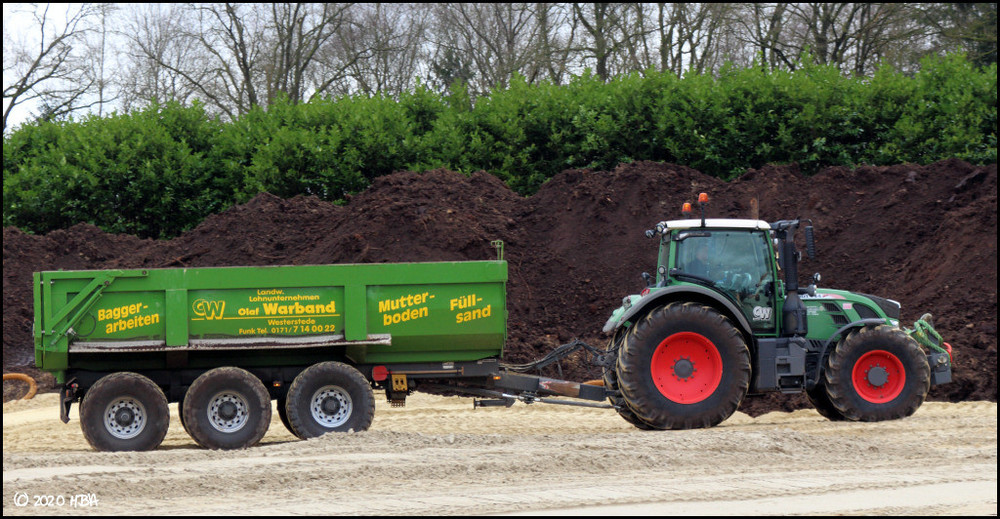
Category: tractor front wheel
<point>877,374</point>
<point>684,366</point>
<point>820,400</point>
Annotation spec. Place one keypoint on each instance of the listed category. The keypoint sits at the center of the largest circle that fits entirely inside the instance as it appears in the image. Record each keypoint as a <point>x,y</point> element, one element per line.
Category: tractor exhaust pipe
<point>794,310</point>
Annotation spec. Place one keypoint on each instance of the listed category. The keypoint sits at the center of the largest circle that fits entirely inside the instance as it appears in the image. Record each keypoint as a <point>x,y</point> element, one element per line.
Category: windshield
<point>735,262</point>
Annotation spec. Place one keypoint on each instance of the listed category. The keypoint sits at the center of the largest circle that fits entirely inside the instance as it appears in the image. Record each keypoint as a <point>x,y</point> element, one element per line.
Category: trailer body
<point>163,319</point>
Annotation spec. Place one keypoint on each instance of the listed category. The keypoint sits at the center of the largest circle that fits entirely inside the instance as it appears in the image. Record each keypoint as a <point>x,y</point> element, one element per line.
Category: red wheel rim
<point>878,376</point>
<point>686,367</point>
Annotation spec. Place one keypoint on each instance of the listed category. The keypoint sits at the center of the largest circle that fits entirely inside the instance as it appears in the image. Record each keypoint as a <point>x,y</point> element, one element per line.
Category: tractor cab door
<point>738,263</point>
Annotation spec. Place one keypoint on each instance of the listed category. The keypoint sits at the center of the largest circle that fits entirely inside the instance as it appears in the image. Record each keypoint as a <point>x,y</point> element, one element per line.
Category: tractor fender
<point>654,299</point>
<point>832,340</point>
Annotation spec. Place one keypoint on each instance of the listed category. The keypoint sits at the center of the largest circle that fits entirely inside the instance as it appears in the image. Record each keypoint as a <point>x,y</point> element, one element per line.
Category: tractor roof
<point>737,223</point>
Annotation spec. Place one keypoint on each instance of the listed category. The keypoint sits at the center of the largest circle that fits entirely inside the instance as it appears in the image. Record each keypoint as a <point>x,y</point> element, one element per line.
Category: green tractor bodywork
<point>746,271</point>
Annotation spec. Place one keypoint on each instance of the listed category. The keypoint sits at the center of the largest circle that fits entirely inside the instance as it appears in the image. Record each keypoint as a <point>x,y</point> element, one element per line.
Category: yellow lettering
<point>471,315</point>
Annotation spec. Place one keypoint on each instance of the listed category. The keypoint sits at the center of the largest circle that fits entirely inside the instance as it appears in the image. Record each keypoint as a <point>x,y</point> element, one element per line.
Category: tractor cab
<point>731,256</point>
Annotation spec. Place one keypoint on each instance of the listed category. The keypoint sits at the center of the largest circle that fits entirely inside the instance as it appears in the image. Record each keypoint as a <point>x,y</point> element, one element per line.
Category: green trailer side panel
<point>384,313</point>
<point>257,312</point>
<point>355,294</point>
<point>175,311</point>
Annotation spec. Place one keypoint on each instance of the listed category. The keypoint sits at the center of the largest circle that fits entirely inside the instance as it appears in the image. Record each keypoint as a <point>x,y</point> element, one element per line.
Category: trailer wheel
<point>124,412</point>
<point>611,383</point>
<point>283,414</point>
<point>180,414</point>
<point>227,408</point>
<point>877,374</point>
<point>684,366</point>
<point>329,397</point>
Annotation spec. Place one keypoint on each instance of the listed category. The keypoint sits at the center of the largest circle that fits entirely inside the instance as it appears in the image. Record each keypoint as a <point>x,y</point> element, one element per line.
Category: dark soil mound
<point>923,235</point>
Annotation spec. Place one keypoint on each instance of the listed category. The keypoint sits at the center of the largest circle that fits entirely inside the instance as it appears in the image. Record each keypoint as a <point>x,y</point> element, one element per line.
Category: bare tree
<point>611,32</point>
<point>99,68</point>
<point>157,53</point>
<point>690,35</point>
<point>825,29</point>
<point>309,51</point>
<point>495,40</point>
<point>970,27</point>
<point>237,56</point>
<point>557,30</point>
<point>600,22</point>
<point>763,26</point>
<point>50,70</point>
<point>388,41</point>
<point>885,31</point>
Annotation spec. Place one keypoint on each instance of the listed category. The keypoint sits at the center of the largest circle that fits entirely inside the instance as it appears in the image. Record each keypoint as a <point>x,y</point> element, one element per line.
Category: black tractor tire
<point>124,412</point>
<point>684,366</point>
<point>329,397</point>
<point>820,400</point>
<point>283,414</point>
<point>611,384</point>
<point>227,408</point>
<point>877,373</point>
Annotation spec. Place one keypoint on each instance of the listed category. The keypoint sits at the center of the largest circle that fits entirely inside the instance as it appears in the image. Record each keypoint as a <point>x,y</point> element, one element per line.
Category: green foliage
<point>143,173</point>
<point>161,170</point>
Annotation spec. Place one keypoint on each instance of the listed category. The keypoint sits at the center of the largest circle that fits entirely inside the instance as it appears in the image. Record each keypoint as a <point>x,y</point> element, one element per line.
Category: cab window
<point>736,263</point>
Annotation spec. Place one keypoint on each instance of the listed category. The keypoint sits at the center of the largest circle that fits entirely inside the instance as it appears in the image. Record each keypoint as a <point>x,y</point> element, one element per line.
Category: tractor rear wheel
<point>611,383</point>
<point>877,374</point>
<point>684,366</point>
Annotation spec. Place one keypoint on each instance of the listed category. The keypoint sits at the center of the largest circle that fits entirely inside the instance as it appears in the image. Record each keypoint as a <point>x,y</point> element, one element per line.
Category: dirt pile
<point>923,235</point>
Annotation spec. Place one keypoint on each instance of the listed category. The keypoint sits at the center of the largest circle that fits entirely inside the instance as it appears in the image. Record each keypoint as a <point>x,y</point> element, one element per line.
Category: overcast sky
<point>21,29</point>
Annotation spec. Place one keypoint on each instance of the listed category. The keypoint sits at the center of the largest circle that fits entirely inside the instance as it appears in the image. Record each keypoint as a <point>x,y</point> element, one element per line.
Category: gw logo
<point>761,313</point>
<point>209,309</point>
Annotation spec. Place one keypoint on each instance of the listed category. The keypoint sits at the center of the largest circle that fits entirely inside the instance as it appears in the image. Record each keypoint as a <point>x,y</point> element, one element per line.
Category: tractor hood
<point>865,305</point>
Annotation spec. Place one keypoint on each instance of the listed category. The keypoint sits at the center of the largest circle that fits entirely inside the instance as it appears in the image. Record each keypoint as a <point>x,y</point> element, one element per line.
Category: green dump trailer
<point>706,331</point>
<point>224,342</point>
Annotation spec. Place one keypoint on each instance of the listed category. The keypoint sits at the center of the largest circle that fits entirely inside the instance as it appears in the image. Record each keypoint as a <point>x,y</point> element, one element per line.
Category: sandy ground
<point>439,456</point>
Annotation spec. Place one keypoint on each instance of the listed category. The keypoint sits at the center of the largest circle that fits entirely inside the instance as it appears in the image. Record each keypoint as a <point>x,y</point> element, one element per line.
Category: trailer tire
<point>180,414</point>
<point>877,373</point>
<point>124,412</point>
<point>283,413</point>
<point>329,397</point>
<point>684,366</point>
<point>227,408</point>
<point>611,384</point>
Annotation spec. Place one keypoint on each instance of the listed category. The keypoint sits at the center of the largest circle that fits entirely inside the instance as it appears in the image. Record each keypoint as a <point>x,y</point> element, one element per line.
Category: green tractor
<point>725,317</point>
